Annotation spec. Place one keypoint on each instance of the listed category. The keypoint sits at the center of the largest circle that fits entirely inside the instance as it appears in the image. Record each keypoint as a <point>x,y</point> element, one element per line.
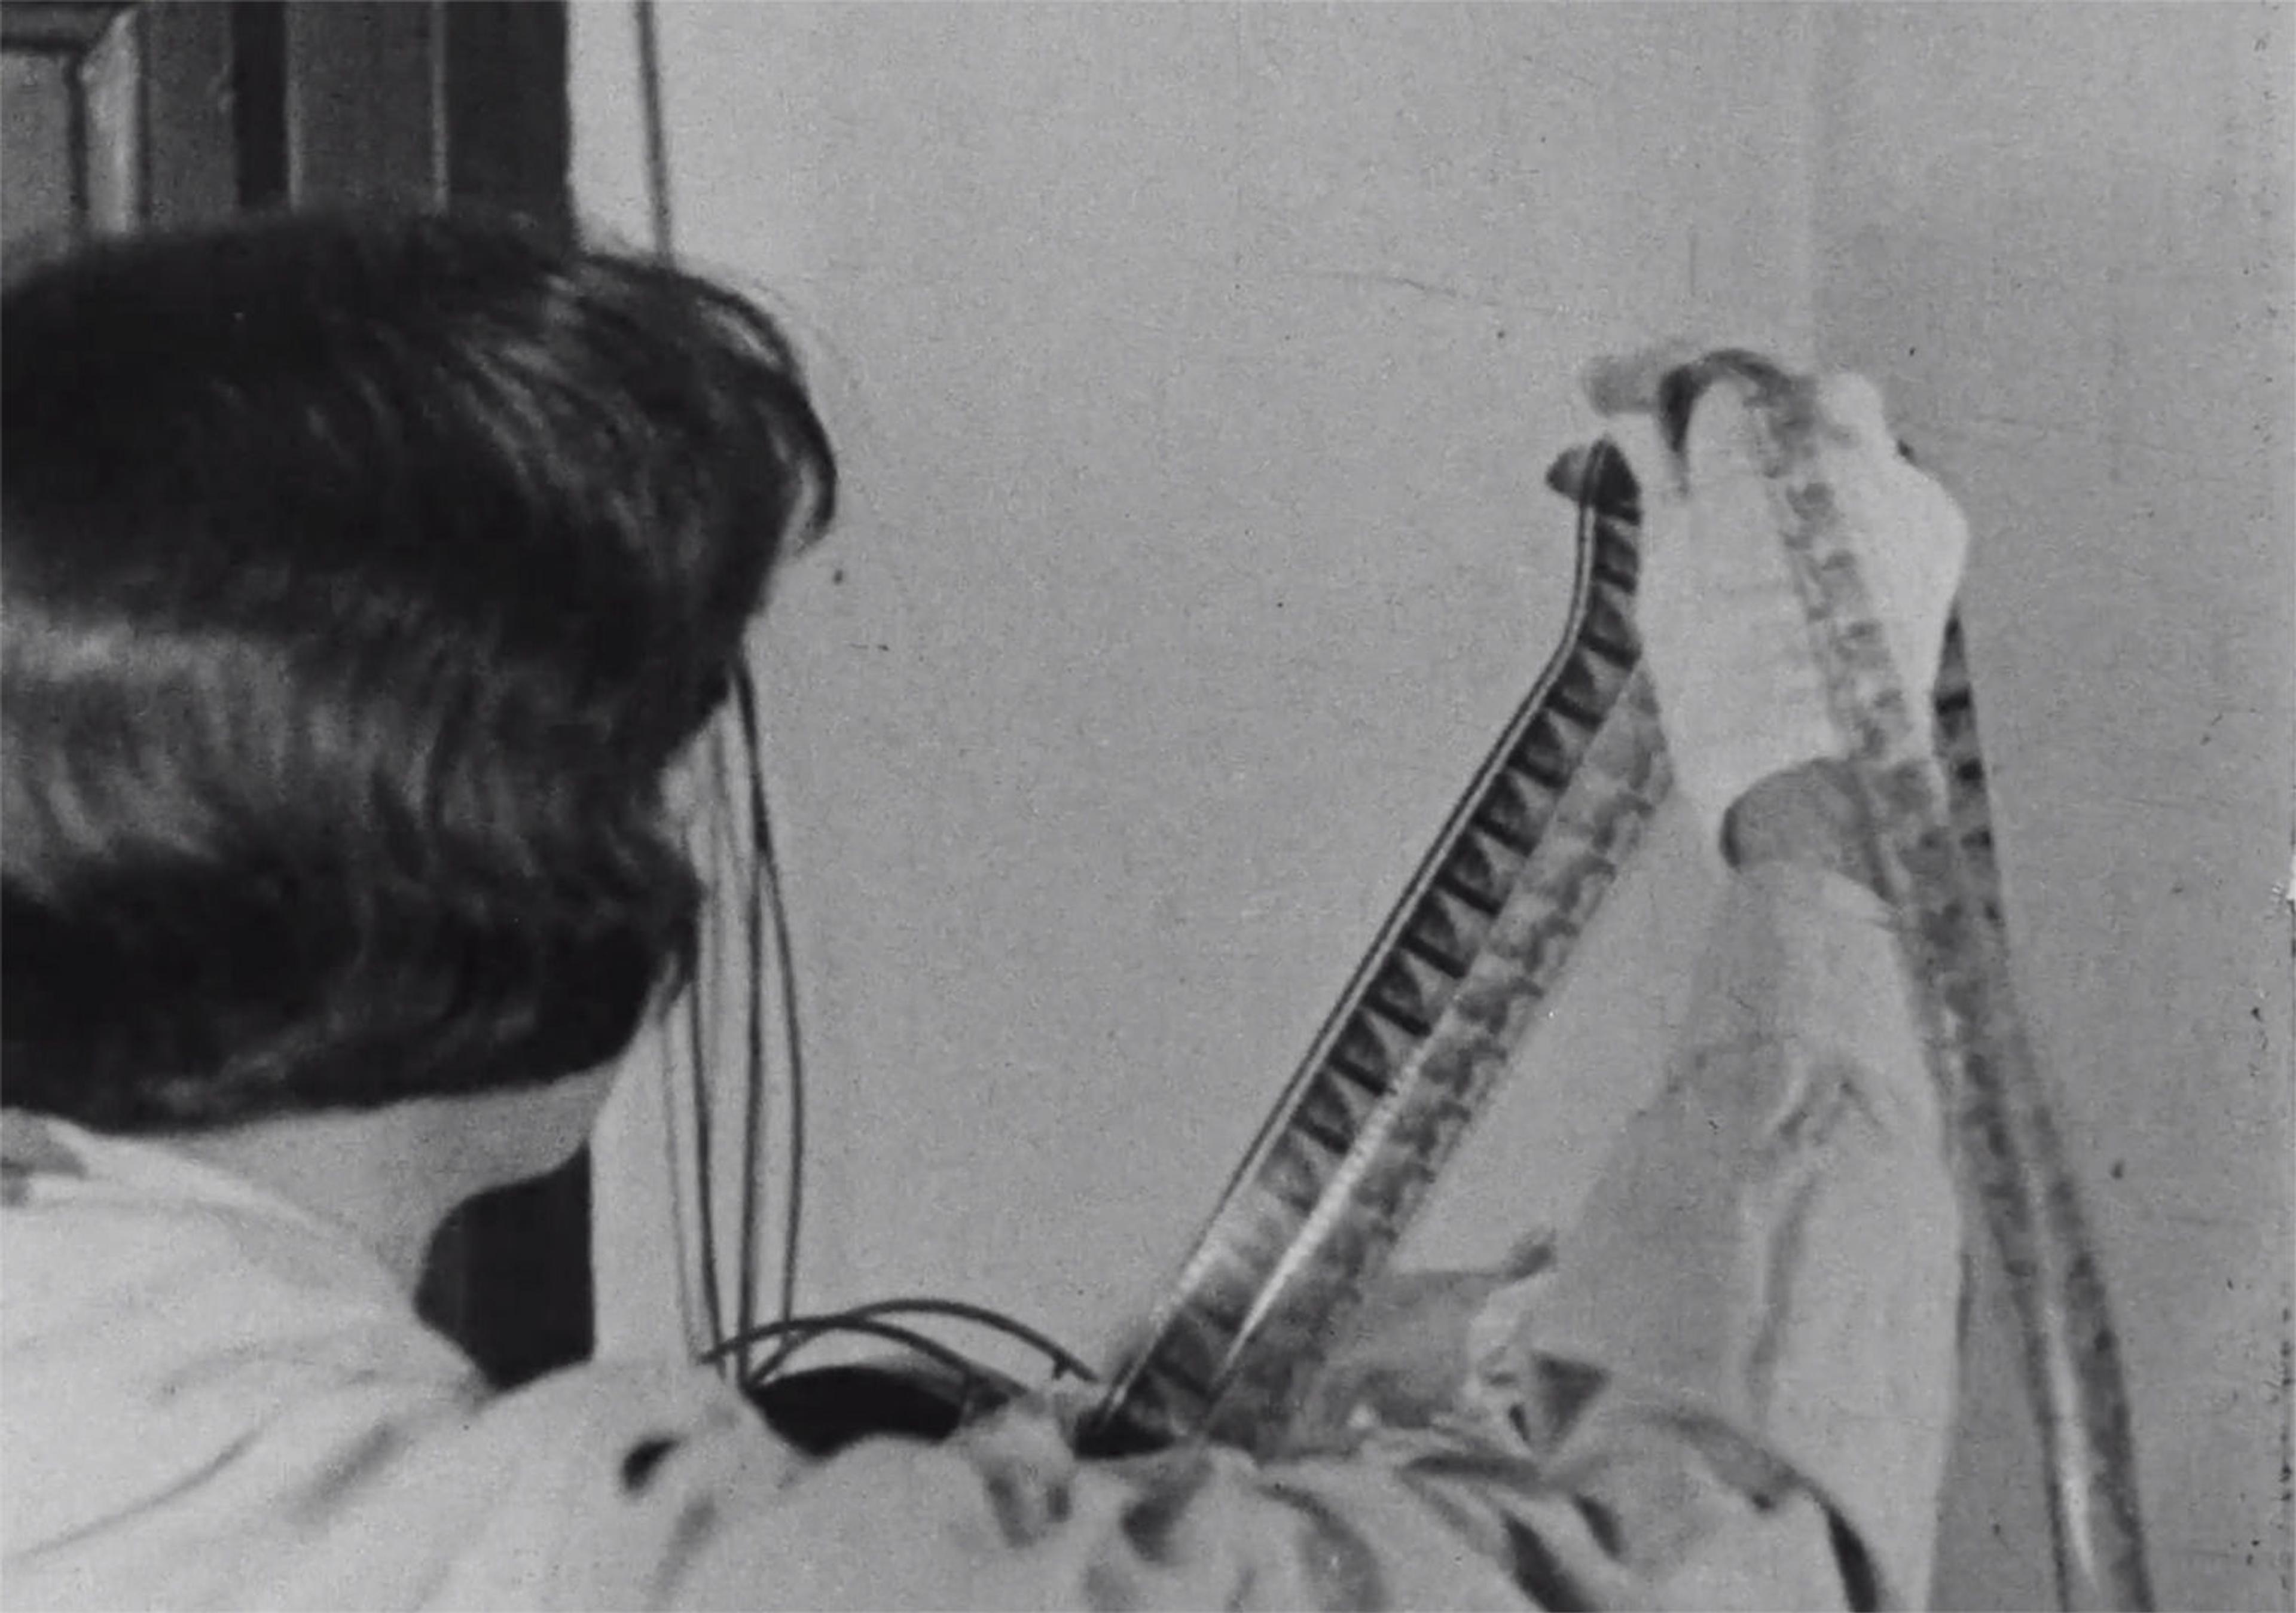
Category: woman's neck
<point>391,1176</point>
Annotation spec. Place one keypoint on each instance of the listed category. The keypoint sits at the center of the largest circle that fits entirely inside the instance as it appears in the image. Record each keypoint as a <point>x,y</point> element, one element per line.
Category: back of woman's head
<point>362,579</point>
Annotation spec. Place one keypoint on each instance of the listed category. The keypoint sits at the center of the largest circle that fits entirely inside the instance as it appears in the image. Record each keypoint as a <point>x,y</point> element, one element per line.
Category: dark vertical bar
<point>258,102</point>
<point>77,159</point>
<point>191,159</point>
<point>506,122</point>
<point>361,103</point>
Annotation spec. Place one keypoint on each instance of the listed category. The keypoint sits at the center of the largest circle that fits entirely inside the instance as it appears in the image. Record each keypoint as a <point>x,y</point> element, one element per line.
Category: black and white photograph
<point>1147,803</point>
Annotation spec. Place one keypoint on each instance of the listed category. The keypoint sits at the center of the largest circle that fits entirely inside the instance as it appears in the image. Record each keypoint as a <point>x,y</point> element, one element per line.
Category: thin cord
<point>801,1328</point>
<point>767,907</point>
<point>765,878</point>
<point>767,901</point>
<point>809,1330</point>
<point>653,116</point>
<point>713,1303</point>
<point>680,1243</point>
<point>1063,1362</point>
<point>737,965</point>
<point>657,130</point>
<point>750,967</point>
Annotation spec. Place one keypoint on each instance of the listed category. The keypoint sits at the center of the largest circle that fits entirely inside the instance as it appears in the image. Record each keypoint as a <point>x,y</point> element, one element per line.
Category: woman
<point>366,582</point>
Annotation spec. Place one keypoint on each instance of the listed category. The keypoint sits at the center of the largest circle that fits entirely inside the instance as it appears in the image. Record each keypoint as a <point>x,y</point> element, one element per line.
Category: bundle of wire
<point>746,919</point>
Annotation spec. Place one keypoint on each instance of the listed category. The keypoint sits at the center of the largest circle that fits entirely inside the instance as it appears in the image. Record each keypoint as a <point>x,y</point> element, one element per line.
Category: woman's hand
<point>1724,631</point>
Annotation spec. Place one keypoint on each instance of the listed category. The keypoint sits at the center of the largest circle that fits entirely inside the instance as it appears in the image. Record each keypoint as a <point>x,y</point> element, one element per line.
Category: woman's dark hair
<point>363,578</point>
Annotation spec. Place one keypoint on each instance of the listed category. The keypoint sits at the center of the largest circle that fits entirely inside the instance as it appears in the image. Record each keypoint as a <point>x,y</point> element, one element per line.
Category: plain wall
<point>2063,234</point>
<point>1194,370</point>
